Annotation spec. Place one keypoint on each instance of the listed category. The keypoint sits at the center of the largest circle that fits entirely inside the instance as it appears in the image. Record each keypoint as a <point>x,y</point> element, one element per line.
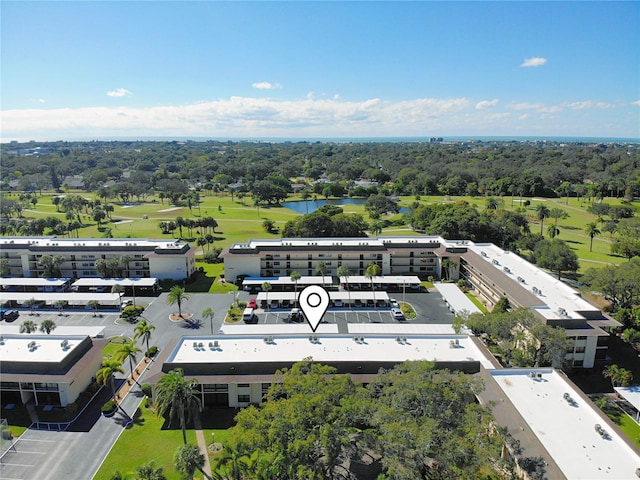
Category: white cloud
<point>308,117</point>
<point>266,86</point>
<point>484,104</point>
<point>636,103</point>
<point>525,106</point>
<point>119,92</point>
<point>534,62</point>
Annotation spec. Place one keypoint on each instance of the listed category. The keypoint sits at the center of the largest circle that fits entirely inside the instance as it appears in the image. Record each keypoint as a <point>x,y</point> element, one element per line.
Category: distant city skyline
<point>74,70</point>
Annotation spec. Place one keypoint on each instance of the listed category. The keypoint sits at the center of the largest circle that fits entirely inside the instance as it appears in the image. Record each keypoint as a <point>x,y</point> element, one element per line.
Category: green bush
<point>147,389</point>
<point>132,311</point>
<point>109,407</point>
<point>152,352</point>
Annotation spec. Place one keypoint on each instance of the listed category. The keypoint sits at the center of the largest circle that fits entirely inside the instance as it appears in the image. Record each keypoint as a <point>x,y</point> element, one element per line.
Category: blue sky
<point>319,69</point>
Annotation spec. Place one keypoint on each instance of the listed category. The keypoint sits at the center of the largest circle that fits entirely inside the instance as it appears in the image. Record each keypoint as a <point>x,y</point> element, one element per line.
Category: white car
<point>393,303</point>
<point>397,314</point>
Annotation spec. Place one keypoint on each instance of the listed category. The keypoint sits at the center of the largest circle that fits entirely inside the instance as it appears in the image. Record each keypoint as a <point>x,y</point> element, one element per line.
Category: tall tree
<point>557,256</point>
<point>321,269</point>
<point>144,329</point>
<point>177,295</point>
<point>208,314</point>
<point>266,287</point>
<point>51,265</point>
<point>177,397</point>
<point>372,271</point>
<point>344,272</point>
<point>295,276</point>
<point>542,212</point>
<point>128,351</point>
<point>106,373</point>
<point>592,231</point>
<point>187,460</point>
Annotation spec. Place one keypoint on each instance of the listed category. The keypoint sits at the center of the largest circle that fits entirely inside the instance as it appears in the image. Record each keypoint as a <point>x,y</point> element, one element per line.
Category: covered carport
<point>34,300</point>
<point>455,299</point>
<point>13,284</point>
<point>631,395</point>
<point>130,285</point>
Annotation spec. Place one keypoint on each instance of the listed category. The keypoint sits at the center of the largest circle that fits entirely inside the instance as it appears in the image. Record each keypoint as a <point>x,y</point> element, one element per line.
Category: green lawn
<point>144,441</point>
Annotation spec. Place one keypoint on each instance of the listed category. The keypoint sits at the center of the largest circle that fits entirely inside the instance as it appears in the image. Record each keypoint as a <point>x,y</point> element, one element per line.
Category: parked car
<point>252,303</point>
<point>126,303</point>
<point>393,303</point>
<point>9,315</point>
<point>397,314</point>
<point>295,315</point>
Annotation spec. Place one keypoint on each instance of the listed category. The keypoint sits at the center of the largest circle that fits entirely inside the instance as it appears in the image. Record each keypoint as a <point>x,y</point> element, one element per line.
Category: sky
<point>79,69</point>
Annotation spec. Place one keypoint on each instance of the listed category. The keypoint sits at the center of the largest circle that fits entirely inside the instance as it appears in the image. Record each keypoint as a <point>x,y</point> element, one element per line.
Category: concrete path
<point>202,444</point>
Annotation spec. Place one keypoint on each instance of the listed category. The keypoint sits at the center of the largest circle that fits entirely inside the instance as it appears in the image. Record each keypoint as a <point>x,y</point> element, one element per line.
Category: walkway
<point>202,444</point>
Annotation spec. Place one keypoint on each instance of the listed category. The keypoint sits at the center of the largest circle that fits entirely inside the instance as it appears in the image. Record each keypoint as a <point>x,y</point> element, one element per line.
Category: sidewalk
<point>202,444</point>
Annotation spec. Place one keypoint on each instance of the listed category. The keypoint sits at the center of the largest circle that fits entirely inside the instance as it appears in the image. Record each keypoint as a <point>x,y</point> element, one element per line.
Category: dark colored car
<point>9,315</point>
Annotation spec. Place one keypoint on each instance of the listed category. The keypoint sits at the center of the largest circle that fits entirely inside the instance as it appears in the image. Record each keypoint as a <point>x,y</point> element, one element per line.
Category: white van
<point>248,316</point>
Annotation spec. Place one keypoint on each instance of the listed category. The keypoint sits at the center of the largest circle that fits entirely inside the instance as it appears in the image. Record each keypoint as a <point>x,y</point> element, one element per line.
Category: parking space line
<point>15,465</point>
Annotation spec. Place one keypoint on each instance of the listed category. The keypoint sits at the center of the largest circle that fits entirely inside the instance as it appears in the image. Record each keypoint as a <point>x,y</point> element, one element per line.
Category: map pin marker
<point>314,301</point>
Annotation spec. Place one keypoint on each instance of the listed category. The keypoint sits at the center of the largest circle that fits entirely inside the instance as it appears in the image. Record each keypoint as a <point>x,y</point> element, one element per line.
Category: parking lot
<point>429,307</point>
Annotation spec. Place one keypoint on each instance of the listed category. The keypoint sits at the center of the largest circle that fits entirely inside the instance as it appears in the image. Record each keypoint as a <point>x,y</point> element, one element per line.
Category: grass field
<point>239,221</point>
<point>146,440</point>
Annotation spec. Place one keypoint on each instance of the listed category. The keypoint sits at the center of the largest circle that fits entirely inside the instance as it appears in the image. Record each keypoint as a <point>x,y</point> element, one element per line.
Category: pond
<point>309,206</point>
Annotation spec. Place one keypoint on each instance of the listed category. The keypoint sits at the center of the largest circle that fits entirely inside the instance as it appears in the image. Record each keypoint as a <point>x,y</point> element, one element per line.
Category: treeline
<point>484,168</point>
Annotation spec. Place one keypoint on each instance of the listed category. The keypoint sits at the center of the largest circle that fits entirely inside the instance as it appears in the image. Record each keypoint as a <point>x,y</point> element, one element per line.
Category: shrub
<point>152,352</point>
<point>147,389</point>
<point>109,407</point>
<point>132,311</point>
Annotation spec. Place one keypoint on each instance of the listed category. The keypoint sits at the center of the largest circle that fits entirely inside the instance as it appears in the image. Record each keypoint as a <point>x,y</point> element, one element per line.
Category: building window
<point>243,385</point>
<point>582,337</point>
<point>579,349</point>
<point>244,398</point>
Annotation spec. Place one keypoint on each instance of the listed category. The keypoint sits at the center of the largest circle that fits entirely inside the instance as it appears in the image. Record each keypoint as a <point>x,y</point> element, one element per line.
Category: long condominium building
<point>493,273</point>
<point>160,259</point>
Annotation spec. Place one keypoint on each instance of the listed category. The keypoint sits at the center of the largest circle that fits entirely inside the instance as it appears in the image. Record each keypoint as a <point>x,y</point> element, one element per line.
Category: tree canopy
<point>425,423</point>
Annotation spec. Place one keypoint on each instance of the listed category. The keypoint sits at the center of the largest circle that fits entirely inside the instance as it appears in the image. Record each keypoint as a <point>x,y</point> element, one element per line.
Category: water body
<point>310,206</point>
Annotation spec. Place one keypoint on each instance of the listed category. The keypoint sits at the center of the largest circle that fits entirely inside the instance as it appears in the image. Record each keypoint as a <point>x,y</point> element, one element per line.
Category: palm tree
<point>177,397</point>
<point>177,295</point>
<point>617,375</point>
<point>558,213</point>
<point>266,286</point>
<point>542,212</point>
<point>108,369</point>
<point>373,270</point>
<point>93,304</point>
<point>207,313</point>
<point>149,471</point>
<point>60,304</point>
<point>117,288</point>
<point>553,231</point>
<point>28,326</point>
<point>128,350</point>
<point>51,265</point>
<point>295,276</point>
<point>321,268</point>
<point>187,460</point>
<point>47,326</point>
<point>344,272</point>
<point>592,231</point>
<point>234,462</point>
<point>143,330</point>
<point>448,264</point>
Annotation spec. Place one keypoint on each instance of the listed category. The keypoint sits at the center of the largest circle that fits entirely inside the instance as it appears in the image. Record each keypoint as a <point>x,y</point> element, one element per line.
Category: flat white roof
<point>90,242</point>
<point>341,242</point>
<point>275,329</point>
<point>562,300</point>
<point>401,328</point>
<point>44,348</point>
<point>630,394</point>
<point>390,279</point>
<point>455,298</point>
<point>35,282</point>
<point>567,431</point>
<point>73,298</point>
<point>328,348</point>
<point>304,280</point>
<point>110,282</point>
